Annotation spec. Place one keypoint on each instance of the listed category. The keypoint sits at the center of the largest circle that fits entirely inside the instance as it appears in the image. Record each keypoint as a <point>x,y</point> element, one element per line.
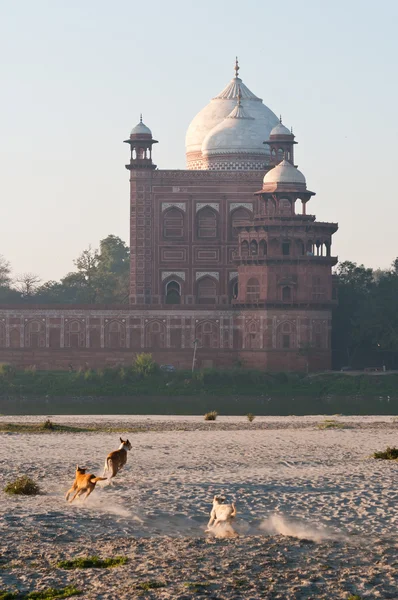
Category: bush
<point>250,417</point>
<point>6,371</point>
<point>31,370</point>
<point>48,424</point>
<point>211,416</point>
<point>389,454</point>
<point>330,424</point>
<point>145,365</point>
<point>22,486</point>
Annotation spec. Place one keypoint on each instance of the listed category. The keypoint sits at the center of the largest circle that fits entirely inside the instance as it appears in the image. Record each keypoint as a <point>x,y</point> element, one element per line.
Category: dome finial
<point>141,118</point>
<point>291,130</point>
<point>280,118</point>
<point>236,67</point>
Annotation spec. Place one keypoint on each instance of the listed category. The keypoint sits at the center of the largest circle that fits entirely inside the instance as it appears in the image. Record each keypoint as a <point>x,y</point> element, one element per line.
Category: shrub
<point>6,371</point>
<point>145,365</point>
<point>389,454</point>
<point>92,562</point>
<point>89,375</point>
<point>211,416</point>
<point>31,370</point>
<point>150,585</point>
<point>250,417</point>
<point>23,486</point>
<point>48,424</point>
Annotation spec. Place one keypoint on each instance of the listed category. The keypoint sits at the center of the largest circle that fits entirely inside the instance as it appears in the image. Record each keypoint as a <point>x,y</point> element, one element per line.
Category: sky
<point>76,75</point>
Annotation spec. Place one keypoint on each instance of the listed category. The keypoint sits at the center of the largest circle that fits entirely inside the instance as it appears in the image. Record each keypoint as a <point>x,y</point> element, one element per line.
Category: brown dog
<point>83,483</point>
<point>117,459</point>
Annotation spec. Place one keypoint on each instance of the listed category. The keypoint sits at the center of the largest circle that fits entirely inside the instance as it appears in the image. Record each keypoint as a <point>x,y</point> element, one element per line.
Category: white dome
<point>221,106</point>
<point>238,133</point>
<point>280,129</point>
<point>141,129</point>
<point>285,172</point>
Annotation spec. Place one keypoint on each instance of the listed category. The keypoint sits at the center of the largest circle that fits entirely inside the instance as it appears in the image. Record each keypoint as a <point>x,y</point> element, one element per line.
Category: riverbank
<point>316,514</point>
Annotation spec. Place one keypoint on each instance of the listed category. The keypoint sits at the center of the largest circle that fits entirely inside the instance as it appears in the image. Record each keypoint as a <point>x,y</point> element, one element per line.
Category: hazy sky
<point>76,74</point>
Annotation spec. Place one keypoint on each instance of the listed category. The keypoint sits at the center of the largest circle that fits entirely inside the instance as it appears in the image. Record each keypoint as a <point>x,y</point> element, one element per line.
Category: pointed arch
<point>173,292</point>
<point>35,334</point>
<point>15,337</point>
<point>207,223</point>
<point>115,334</point>
<point>286,335</point>
<point>173,224</point>
<point>75,334</point>
<point>207,332</point>
<point>206,290</point>
<point>155,335</point>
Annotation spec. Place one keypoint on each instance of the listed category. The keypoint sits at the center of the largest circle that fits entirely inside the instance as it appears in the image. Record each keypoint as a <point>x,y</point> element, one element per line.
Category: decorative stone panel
<point>214,205</point>
<point>181,205</point>
<point>248,205</point>
<point>214,274</point>
<point>179,274</point>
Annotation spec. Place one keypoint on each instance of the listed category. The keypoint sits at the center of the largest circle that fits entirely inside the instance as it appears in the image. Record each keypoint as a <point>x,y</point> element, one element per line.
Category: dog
<point>84,482</point>
<point>117,459</point>
<point>222,514</point>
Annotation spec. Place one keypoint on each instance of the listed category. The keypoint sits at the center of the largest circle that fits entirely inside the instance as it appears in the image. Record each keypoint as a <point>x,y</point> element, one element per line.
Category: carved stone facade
<point>219,256</point>
<point>92,336</point>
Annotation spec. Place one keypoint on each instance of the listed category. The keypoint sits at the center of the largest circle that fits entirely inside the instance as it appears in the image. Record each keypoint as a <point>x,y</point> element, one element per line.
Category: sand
<point>316,515</point>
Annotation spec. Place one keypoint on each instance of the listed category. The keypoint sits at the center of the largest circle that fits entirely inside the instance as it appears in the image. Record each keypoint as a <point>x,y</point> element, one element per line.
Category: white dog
<point>222,515</point>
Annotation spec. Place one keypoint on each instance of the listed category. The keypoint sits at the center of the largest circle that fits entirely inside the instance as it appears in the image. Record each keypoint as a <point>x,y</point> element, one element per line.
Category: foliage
<point>211,416</point>
<point>150,585</point>
<point>48,424</point>
<point>388,454</point>
<point>92,562</point>
<point>22,486</point>
<point>145,365</point>
<point>7,371</point>
<point>48,594</point>
<point>250,417</point>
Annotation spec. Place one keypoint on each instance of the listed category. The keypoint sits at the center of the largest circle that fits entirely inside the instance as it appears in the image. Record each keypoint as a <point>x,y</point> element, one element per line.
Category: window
<point>286,293</point>
<point>207,224</point>
<point>286,341</point>
<point>173,224</point>
<point>317,289</point>
<point>285,248</point>
<point>173,292</point>
<point>244,249</point>
<point>253,248</point>
<point>253,290</point>
<point>207,291</point>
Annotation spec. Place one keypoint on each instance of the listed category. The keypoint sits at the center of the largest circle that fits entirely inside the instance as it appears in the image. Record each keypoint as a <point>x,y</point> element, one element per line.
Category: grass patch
<point>22,486</point>
<point>389,454</point>
<point>355,597</point>
<point>211,416</point>
<point>55,427</point>
<point>92,562</point>
<point>47,594</point>
<point>330,424</point>
<point>250,417</point>
<point>150,585</point>
<point>197,585</point>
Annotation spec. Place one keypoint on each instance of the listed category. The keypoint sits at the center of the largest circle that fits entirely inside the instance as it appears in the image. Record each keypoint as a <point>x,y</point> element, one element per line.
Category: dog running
<point>117,458</point>
<point>84,483</point>
<point>222,514</point>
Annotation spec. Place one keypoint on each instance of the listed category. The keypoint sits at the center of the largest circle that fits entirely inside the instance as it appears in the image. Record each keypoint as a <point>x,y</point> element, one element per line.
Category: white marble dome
<point>280,129</point>
<point>141,129</point>
<point>237,134</point>
<point>285,172</point>
<point>221,106</point>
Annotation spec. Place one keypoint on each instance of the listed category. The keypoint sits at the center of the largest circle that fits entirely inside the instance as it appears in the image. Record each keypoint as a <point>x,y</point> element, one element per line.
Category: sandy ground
<point>316,518</point>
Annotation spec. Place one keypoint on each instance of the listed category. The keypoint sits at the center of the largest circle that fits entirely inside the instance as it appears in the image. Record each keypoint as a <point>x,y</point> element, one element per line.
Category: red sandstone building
<point>223,252</point>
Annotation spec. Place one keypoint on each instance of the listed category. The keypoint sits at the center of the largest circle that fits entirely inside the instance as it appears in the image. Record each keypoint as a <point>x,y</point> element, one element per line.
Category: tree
<point>27,284</point>
<point>5,271</point>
